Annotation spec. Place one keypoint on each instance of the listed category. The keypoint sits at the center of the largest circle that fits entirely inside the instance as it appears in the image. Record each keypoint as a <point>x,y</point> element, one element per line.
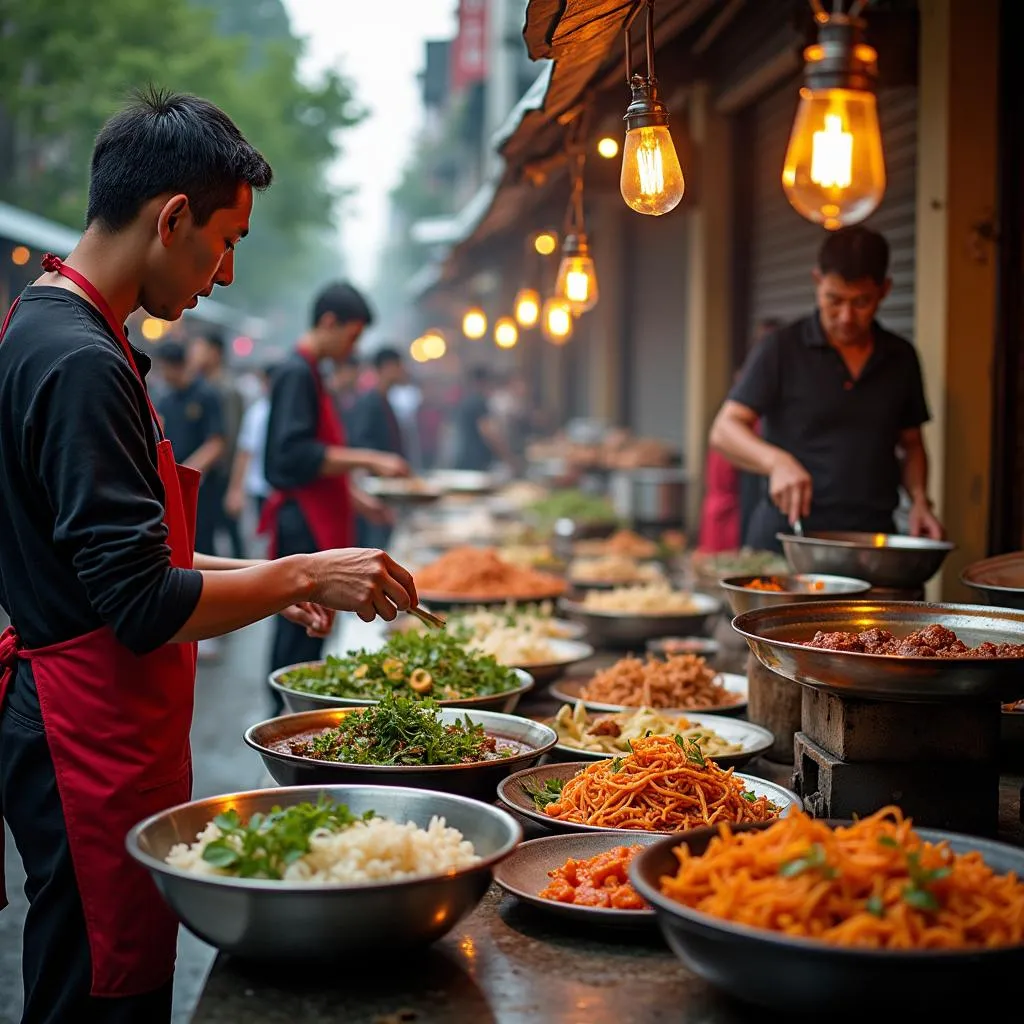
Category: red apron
<point>117,725</point>
<point>326,503</point>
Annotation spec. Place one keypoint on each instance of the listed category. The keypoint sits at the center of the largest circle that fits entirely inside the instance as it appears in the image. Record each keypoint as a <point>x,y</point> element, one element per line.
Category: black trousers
<point>291,644</point>
<point>56,963</point>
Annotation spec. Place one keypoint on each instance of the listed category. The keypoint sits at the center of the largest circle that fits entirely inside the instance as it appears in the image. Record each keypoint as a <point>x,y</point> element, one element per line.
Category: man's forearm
<point>206,454</point>
<point>239,469</point>
<point>338,460</point>
<point>233,599</point>
<point>914,472</point>
<point>214,562</point>
<point>742,447</point>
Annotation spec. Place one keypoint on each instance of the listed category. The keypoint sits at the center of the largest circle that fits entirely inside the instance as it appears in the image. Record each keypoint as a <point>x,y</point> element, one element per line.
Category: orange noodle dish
<point>480,573</point>
<point>600,881</point>
<point>665,785</point>
<point>678,681</point>
<point>875,884</point>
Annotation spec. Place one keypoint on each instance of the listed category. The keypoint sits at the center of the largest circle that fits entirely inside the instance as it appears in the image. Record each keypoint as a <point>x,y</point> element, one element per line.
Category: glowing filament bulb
<point>832,155</point>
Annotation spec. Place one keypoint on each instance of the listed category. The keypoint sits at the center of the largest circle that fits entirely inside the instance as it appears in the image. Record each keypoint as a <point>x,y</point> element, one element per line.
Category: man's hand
<point>372,509</point>
<point>362,580</point>
<point>234,502</point>
<point>923,522</point>
<point>317,619</point>
<point>386,464</point>
<point>790,487</point>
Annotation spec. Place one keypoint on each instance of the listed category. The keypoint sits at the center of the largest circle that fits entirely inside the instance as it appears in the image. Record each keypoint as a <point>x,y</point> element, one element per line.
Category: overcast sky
<point>380,45</point>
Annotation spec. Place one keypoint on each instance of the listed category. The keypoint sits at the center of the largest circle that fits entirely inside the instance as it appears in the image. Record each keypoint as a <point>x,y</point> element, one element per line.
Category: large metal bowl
<point>777,637</point>
<point>277,921</point>
<point>999,580</point>
<point>299,700</point>
<point>478,780</point>
<point>798,587</point>
<point>883,559</point>
<point>634,629</point>
<point>802,975</point>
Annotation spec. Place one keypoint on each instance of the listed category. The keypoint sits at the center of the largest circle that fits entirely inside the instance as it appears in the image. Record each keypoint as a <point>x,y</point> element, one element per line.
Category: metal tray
<point>775,635</point>
<point>999,580</point>
<point>797,974</point>
<point>514,795</point>
<point>883,559</point>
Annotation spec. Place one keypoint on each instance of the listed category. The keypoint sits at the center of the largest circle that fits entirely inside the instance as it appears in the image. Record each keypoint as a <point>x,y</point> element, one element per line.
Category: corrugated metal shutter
<point>783,246</point>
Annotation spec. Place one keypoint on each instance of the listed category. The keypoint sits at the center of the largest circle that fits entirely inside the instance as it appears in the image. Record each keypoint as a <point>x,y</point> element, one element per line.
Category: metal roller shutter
<point>783,246</point>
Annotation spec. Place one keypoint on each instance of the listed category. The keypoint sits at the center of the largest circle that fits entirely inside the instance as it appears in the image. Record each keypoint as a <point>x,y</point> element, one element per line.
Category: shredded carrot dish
<point>678,681</point>
<point>599,881</point>
<point>769,584</point>
<point>481,573</point>
<point>874,884</point>
<point>665,785</point>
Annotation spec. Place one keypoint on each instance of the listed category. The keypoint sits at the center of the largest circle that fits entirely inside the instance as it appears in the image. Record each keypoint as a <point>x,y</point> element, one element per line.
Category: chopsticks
<point>428,618</point>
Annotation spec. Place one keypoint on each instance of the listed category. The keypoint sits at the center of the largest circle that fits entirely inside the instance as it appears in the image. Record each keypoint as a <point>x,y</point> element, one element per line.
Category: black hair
<point>383,356</point>
<point>171,352</point>
<point>167,142</point>
<point>855,253</point>
<point>345,302</point>
<point>213,337</point>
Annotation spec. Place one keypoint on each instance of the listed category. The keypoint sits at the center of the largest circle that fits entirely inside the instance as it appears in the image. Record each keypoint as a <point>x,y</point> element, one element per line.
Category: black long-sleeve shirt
<point>294,457</point>
<point>82,539</point>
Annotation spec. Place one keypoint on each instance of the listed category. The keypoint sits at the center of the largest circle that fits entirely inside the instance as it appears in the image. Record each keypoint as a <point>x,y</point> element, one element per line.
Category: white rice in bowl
<point>378,850</point>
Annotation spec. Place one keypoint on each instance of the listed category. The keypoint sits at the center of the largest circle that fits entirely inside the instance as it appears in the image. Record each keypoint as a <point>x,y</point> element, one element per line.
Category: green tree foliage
<point>66,65</point>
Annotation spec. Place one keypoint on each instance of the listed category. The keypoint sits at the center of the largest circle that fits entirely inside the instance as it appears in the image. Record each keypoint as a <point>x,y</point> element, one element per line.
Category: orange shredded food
<point>678,681</point>
<point>874,884</point>
<point>480,573</point>
<point>661,786</point>
<point>760,584</point>
<point>599,881</point>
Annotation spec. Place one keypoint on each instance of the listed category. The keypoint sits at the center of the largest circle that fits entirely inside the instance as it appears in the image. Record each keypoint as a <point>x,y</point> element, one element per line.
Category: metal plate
<point>999,580</point>
<point>633,629</point>
<point>513,794</point>
<point>477,780</point>
<point>801,975</point>
<point>883,559</point>
<point>450,602</point>
<point>755,740</point>
<point>525,873</point>
<point>402,492</point>
<point>799,587</point>
<point>776,636</point>
<point>568,691</point>
<point>300,700</point>
<point>569,653</point>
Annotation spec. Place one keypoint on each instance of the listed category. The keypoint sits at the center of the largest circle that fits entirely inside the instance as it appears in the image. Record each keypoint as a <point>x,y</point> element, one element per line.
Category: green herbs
<point>418,665</point>
<point>549,792</point>
<point>691,748</point>
<point>875,906</point>
<point>578,506</point>
<point>813,860</point>
<point>402,731</point>
<point>267,844</point>
<point>918,894</point>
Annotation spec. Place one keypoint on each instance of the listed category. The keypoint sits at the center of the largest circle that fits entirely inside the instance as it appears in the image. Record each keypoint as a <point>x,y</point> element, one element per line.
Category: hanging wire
<point>837,8</point>
<point>648,7</point>
<point>577,152</point>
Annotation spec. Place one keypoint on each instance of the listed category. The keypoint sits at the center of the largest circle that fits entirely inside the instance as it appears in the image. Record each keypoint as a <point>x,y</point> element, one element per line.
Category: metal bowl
<point>453,603</point>
<point>514,794</point>
<point>999,580</point>
<point>402,492</point>
<point>883,559</point>
<point>478,780</point>
<point>669,646</point>
<point>299,700</point>
<point>798,587</point>
<point>777,636</point>
<point>802,975</point>
<point>634,629</point>
<point>568,653</point>
<point>280,921</point>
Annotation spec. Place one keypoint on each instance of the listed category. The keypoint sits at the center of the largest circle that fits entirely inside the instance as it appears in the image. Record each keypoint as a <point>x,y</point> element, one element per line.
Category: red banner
<point>469,49</point>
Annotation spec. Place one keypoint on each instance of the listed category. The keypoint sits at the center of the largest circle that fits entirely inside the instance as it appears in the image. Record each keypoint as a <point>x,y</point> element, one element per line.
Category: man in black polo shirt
<point>841,402</point>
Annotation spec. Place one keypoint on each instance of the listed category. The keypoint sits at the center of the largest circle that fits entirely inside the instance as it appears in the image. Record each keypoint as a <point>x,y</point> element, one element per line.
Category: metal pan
<point>999,580</point>
<point>801,975</point>
<point>776,637</point>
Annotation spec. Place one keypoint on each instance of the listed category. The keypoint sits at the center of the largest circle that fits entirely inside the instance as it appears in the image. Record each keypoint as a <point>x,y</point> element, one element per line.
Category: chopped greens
<point>918,894</point>
<point>547,793</point>
<point>691,748</point>
<point>265,845</point>
<point>813,860</point>
<point>417,665</point>
<point>875,906</point>
<point>402,731</point>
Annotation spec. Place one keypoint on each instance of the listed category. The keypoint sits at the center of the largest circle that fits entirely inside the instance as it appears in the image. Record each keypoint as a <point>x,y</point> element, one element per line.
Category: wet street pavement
<point>230,696</point>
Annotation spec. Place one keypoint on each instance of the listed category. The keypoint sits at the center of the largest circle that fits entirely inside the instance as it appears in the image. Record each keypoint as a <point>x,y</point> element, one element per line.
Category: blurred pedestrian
<point>206,359</point>
<point>343,384</point>
<point>248,481</point>
<point>479,439</point>
<point>313,506</point>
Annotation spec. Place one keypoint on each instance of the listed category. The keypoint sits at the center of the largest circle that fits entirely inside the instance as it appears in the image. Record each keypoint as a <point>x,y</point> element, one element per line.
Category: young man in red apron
<point>313,506</point>
<point>97,571</point>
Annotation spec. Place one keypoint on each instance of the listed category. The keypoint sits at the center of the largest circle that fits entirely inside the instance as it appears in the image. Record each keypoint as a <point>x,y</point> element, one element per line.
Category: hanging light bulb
<point>608,147</point>
<point>474,323</point>
<point>545,243</point>
<point>506,334</point>
<point>834,171</point>
<point>434,345</point>
<point>556,320</point>
<point>651,180</point>
<point>577,278</point>
<point>418,350</point>
<point>527,307</point>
